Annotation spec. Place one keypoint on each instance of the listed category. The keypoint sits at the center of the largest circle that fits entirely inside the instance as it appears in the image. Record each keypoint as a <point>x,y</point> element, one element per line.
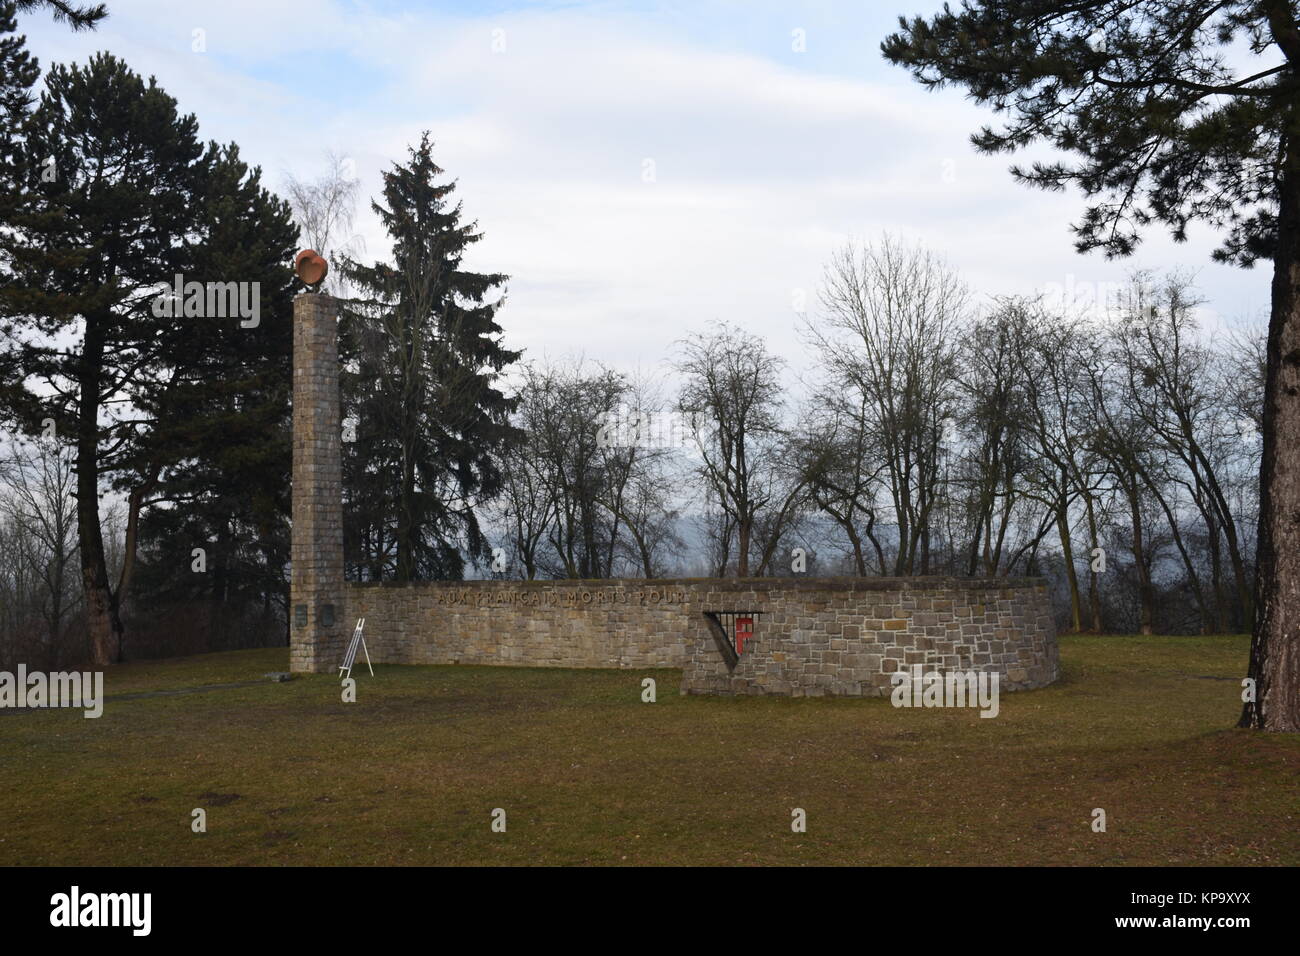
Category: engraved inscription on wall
<point>565,598</point>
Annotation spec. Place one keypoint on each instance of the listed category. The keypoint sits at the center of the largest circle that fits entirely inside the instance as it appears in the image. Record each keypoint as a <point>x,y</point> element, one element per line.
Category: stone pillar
<point>317,631</point>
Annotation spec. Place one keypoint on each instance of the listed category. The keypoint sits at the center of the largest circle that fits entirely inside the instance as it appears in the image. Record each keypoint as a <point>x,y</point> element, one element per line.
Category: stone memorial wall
<point>813,636</point>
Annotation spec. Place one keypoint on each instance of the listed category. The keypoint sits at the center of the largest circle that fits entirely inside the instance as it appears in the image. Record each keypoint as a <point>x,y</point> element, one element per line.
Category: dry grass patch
<point>587,773</point>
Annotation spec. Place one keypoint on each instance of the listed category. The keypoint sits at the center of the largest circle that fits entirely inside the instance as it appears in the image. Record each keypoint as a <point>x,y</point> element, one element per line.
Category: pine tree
<point>134,199</point>
<point>78,18</point>
<point>216,458</point>
<point>421,342</point>
<point>1163,130</point>
<point>19,72</point>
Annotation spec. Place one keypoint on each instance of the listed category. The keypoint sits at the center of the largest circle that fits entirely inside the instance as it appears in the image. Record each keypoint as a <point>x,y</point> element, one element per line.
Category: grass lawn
<point>587,773</point>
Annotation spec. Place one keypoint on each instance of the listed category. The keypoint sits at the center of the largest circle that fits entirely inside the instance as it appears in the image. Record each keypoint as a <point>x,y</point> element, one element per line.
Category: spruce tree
<point>422,347</point>
<point>1160,127</point>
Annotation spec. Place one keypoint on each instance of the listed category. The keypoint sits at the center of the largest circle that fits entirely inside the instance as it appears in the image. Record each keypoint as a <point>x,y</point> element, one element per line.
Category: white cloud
<point>761,168</point>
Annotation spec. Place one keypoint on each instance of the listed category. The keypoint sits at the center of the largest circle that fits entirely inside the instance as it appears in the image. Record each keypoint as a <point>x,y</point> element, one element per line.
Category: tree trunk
<point>859,559</point>
<point>408,417</point>
<point>102,623</point>
<point>973,552</point>
<point>742,548</point>
<point>1067,553</point>
<point>1223,510</point>
<point>134,503</point>
<point>1275,642</point>
<point>1146,593</point>
<point>1216,572</point>
<point>405,513</point>
<point>1094,589</point>
<point>1197,591</point>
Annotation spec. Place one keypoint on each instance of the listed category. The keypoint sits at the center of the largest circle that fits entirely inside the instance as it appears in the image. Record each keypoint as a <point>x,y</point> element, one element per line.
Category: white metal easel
<point>348,659</point>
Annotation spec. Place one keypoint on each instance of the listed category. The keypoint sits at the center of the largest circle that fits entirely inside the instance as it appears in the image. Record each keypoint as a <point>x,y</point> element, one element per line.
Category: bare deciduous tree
<point>39,580</point>
<point>1173,385</point>
<point>887,335</point>
<point>732,385</point>
<point>325,209</point>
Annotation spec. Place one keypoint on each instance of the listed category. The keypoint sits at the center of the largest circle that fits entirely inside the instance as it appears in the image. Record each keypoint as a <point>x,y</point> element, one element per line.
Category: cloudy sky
<point>638,168</point>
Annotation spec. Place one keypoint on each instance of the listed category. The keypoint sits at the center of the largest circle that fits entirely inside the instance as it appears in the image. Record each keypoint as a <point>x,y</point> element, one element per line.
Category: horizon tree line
<point>1114,455</point>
